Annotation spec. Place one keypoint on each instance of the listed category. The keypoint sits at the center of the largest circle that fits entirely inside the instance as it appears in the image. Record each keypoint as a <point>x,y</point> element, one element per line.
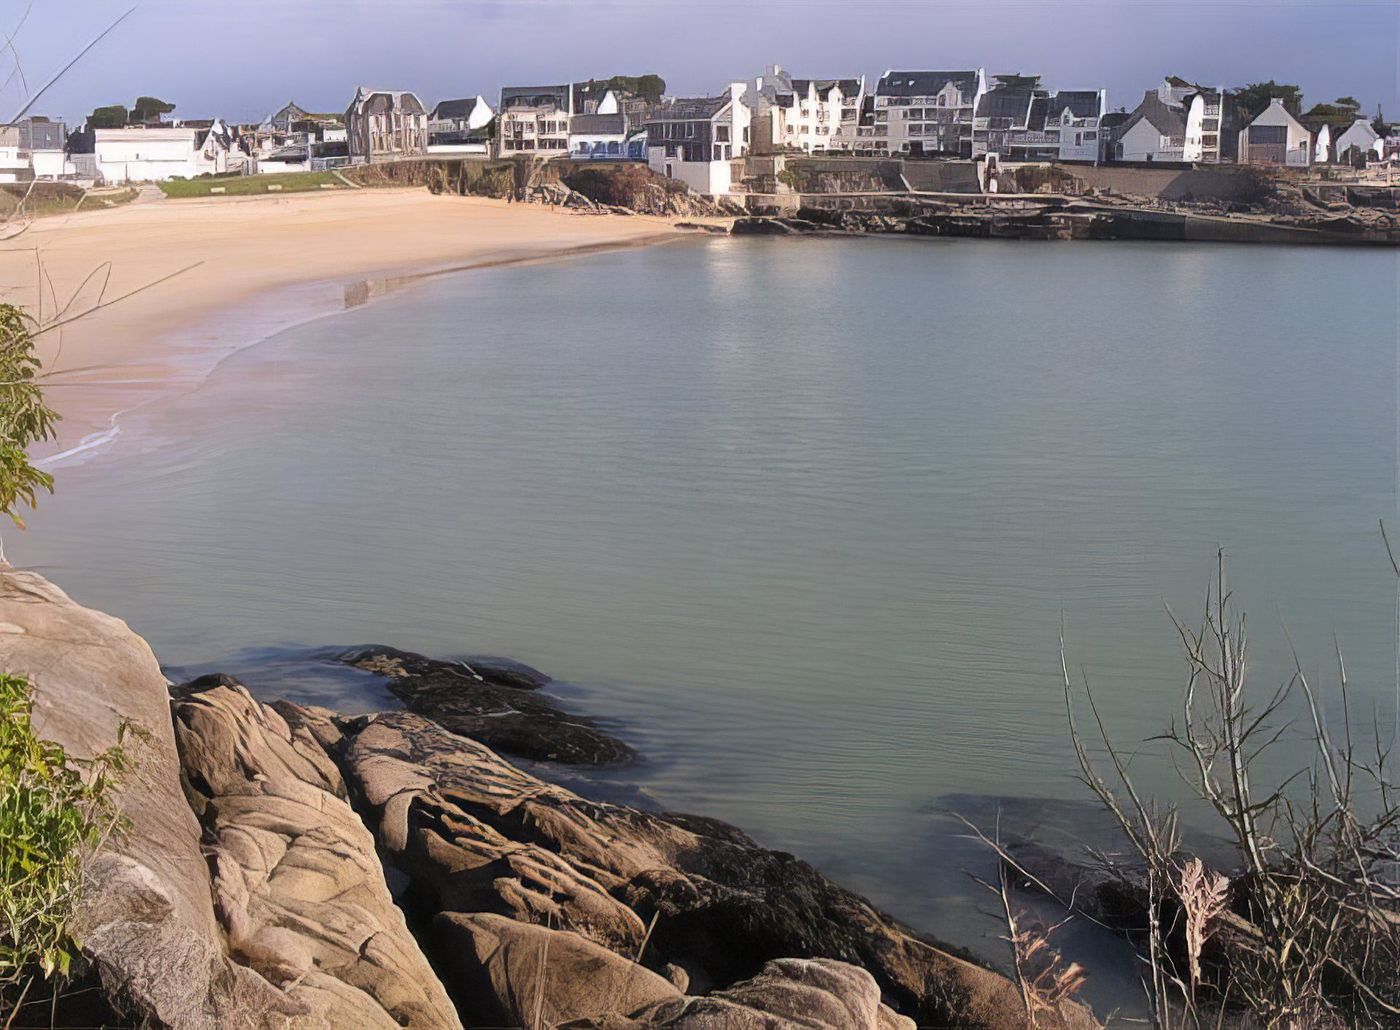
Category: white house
<point>1359,139</point>
<point>1073,118</point>
<point>140,154</point>
<point>1154,131</point>
<point>13,166</point>
<point>43,142</point>
<point>219,152</point>
<point>1203,110</point>
<point>1275,137</point>
<point>534,120</point>
<point>459,127</point>
<point>924,112</point>
<point>598,136</point>
<point>698,140</point>
<point>814,114</point>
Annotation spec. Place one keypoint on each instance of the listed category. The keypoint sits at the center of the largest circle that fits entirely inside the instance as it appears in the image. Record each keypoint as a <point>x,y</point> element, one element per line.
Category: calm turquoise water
<point>802,518</point>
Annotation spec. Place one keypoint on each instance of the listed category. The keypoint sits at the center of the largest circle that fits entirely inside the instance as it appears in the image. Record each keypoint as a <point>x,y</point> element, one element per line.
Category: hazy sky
<point>243,58</point>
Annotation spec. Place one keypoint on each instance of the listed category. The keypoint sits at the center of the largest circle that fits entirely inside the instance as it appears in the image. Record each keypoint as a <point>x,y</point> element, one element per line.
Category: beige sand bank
<point>261,263</point>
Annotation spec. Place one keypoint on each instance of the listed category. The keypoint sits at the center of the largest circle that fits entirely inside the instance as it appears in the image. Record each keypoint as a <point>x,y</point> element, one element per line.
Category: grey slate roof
<point>1166,120</point>
<point>849,87</point>
<point>381,100</point>
<point>449,109</point>
<point>535,96</point>
<point>1039,110</point>
<point>924,84</point>
<point>598,124</point>
<point>1012,102</point>
<point>1082,103</point>
<point>688,109</point>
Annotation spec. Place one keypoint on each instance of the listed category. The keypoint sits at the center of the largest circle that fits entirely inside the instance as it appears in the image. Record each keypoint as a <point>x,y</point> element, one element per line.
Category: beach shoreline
<point>201,280</point>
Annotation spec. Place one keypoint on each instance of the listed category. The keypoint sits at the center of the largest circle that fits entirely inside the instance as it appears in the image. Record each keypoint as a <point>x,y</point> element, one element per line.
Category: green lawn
<point>248,185</point>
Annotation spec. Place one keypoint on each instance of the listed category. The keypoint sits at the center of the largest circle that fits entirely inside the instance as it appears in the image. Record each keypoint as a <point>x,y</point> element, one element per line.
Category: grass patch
<point>57,198</point>
<point>251,185</point>
<point>53,809</point>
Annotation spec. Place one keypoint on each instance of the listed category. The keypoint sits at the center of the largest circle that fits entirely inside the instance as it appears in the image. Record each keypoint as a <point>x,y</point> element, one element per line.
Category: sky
<point>241,59</point>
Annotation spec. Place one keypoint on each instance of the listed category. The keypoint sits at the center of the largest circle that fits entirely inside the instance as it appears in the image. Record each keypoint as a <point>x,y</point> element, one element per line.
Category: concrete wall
<point>1208,183</point>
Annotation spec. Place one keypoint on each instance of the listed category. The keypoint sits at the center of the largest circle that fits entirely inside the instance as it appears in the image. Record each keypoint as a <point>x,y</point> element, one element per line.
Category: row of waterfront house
<point>698,140</point>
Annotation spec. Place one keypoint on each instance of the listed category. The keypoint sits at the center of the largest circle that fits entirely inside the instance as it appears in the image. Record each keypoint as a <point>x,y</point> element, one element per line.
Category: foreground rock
<point>247,891</point>
<point>146,921</point>
<point>474,834</point>
<point>526,975</point>
<point>495,701</point>
<point>297,886</point>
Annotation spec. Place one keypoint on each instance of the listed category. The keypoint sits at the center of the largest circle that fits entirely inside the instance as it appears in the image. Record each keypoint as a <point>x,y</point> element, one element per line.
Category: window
<point>718,153</point>
<point>722,133</point>
<point>746,133</point>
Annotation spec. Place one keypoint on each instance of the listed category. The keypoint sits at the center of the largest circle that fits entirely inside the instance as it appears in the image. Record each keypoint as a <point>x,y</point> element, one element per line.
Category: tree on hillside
<point>114,116</point>
<point>150,109</point>
<point>1254,98</point>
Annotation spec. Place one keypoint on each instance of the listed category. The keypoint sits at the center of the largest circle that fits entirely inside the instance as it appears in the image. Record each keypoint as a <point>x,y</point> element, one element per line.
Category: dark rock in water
<point>475,834</point>
<point>759,227</point>
<point>494,700</point>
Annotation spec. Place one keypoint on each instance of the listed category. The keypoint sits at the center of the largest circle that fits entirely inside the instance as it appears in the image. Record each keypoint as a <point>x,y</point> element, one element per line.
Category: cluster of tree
<point>116,116</point>
<point>1254,98</point>
<point>648,87</point>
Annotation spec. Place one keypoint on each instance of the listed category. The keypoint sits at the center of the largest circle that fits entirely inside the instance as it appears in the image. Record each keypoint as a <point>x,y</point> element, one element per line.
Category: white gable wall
<point>1299,145</point>
<point>1140,143</point>
<point>1360,135</point>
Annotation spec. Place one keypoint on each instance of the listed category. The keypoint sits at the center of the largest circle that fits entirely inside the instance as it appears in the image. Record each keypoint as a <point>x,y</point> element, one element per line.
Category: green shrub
<point>24,417</point>
<point>53,809</point>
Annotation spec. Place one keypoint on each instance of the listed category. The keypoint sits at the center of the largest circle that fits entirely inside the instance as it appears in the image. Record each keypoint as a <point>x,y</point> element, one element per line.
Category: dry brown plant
<point>1313,912</point>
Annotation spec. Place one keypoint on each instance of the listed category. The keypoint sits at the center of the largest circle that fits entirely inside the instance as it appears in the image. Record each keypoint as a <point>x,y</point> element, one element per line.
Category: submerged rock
<point>496,701</point>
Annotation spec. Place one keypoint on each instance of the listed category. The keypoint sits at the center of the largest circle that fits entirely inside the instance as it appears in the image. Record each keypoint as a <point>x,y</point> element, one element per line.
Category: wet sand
<point>216,275</point>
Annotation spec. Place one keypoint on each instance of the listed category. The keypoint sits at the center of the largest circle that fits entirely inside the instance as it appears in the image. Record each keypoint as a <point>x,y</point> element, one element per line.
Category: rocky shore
<point>282,865</point>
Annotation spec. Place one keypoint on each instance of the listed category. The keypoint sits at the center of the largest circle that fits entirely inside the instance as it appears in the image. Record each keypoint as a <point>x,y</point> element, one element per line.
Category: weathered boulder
<point>790,992</point>
<point>477,835</point>
<point>145,918</point>
<point>508,973</point>
<point>517,974</point>
<point>297,884</point>
<point>496,701</point>
<point>436,801</point>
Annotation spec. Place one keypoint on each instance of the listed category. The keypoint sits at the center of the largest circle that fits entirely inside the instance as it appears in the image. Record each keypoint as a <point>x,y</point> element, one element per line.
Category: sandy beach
<point>240,269</point>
